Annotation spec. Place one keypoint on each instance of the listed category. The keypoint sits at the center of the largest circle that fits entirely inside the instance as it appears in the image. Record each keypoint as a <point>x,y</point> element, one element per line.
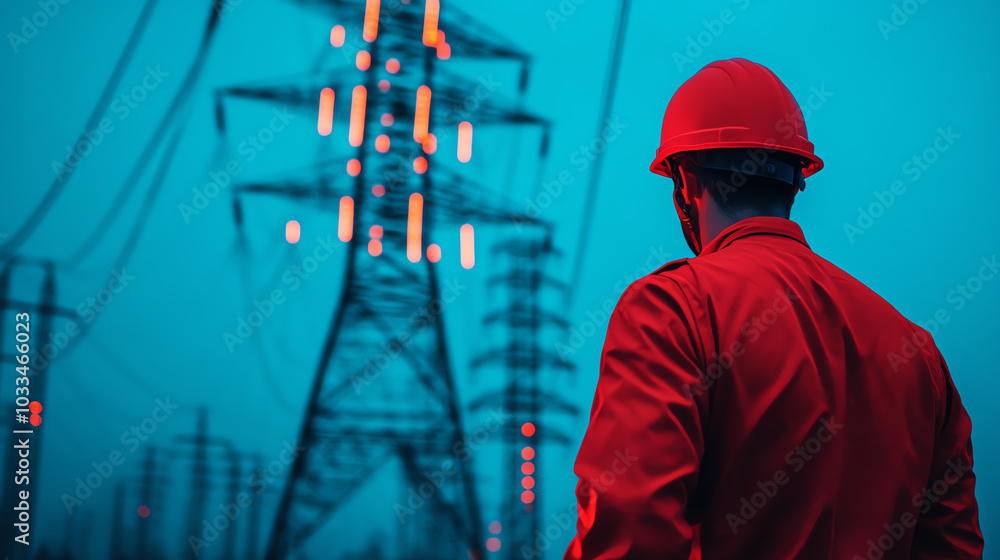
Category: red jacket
<point>758,402</point>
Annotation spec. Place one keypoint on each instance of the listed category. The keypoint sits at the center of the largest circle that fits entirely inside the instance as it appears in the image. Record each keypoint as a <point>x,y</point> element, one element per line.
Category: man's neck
<point>714,221</point>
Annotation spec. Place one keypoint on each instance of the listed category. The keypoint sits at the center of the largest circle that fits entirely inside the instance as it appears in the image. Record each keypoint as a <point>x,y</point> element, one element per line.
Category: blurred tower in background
<point>35,336</point>
<point>523,396</point>
<point>384,390</point>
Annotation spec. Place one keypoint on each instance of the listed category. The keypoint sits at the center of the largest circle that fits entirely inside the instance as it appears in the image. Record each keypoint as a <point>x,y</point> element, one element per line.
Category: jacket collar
<point>757,225</point>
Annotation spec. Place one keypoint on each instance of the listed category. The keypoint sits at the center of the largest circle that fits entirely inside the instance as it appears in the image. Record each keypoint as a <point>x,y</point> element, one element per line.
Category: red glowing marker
<point>420,165</point>
<point>387,119</point>
<point>292,231</point>
<point>375,232</point>
<point>383,85</point>
<point>443,48</point>
<point>363,60</point>
<point>374,247</point>
<point>378,190</point>
<point>464,141</point>
<point>414,226</point>
<point>433,252</point>
<point>468,249</point>
<point>353,167</point>
<point>421,113</point>
<point>528,482</point>
<point>527,453</point>
<point>392,66</point>
<point>337,35</point>
<point>325,123</point>
<point>431,22</point>
<point>527,496</point>
<point>371,20</point>
<point>382,143</point>
<point>527,468</point>
<point>345,226</point>
<point>143,511</point>
<point>492,544</point>
<point>430,143</point>
<point>528,429</point>
<point>495,527</point>
<point>357,131</point>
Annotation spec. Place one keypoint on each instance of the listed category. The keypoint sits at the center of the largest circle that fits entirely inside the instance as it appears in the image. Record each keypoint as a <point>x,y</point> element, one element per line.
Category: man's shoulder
<point>669,281</point>
<point>670,266</point>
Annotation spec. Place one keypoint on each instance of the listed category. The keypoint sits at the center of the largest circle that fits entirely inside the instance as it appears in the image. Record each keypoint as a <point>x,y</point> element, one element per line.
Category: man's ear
<point>688,183</point>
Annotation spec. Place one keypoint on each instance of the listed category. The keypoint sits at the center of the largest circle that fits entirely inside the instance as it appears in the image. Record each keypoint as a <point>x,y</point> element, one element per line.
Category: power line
<point>55,189</point>
<point>180,100</point>
<point>610,84</point>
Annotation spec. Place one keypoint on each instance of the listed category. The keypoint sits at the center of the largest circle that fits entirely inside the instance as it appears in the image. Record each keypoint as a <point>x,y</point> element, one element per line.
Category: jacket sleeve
<point>639,460</point>
<point>948,523</point>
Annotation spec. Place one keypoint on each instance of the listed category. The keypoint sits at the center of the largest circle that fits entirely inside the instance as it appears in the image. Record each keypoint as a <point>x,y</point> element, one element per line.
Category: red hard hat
<point>734,104</point>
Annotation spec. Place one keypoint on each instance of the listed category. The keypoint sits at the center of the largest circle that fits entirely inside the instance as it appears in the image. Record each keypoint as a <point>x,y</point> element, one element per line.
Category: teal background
<point>888,94</point>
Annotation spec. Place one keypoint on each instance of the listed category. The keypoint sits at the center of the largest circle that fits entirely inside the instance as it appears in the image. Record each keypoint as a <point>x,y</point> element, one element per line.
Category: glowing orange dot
<point>378,190</point>
<point>528,482</point>
<point>527,468</point>
<point>527,453</point>
<point>375,232</point>
<point>383,85</point>
<point>420,165</point>
<point>430,143</point>
<point>353,168</point>
<point>374,247</point>
<point>144,511</point>
<point>433,252</point>
<point>527,496</point>
<point>495,527</point>
<point>492,544</point>
<point>292,231</point>
<point>36,419</point>
<point>528,429</point>
<point>387,119</point>
<point>363,60</point>
<point>392,66</point>
<point>382,143</point>
<point>36,406</point>
<point>337,35</point>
